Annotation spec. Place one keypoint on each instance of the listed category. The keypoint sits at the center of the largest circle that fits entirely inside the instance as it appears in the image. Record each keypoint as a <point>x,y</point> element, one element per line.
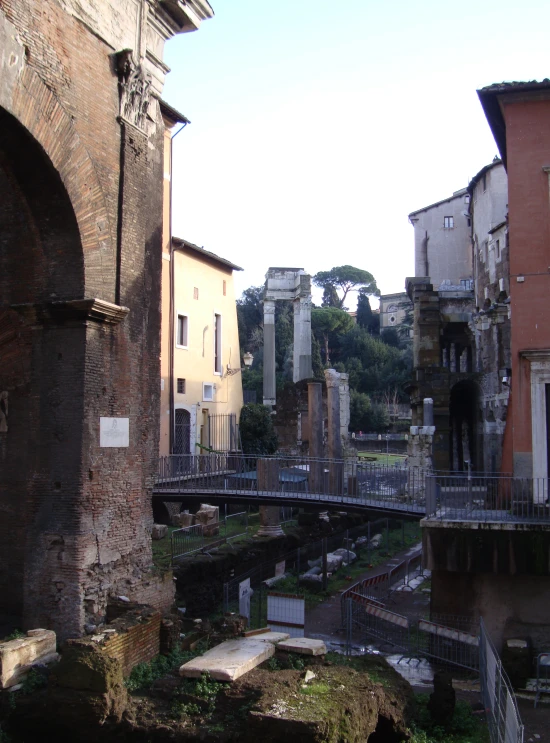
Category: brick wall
<point>137,640</point>
<point>80,217</point>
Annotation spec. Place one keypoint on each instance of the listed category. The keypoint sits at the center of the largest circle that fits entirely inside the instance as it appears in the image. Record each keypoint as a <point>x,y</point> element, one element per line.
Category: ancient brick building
<point>461,349</point>
<point>81,169</point>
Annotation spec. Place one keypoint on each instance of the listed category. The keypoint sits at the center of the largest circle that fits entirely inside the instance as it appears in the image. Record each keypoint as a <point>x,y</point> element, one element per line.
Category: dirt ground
<point>324,621</point>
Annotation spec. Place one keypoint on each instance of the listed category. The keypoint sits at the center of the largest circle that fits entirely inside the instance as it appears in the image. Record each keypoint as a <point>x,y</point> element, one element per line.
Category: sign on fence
<point>286,613</point>
<point>448,632</point>
<point>388,616</point>
<point>244,598</point>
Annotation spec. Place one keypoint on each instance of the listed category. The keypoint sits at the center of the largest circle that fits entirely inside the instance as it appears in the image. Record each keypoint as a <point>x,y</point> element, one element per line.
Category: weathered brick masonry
<point>80,248</point>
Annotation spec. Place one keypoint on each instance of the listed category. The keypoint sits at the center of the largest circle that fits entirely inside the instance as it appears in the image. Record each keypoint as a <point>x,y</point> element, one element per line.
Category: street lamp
<point>248,359</point>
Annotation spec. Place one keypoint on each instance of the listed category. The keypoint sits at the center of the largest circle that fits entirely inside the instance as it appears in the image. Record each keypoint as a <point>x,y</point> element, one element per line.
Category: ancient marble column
<point>315,416</point>
<point>336,469</point>
<point>302,338</point>
<point>428,411</point>
<point>269,352</point>
<point>268,481</point>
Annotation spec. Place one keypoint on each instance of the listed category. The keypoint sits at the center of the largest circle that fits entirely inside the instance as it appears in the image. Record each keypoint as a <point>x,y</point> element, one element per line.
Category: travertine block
<point>17,657</point>
<point>159,531</point>
<point>230,660</point>
<point>303,645</point>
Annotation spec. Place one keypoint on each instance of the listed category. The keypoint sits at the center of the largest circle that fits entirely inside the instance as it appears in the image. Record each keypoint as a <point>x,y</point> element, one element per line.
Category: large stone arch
<point>35,106</point>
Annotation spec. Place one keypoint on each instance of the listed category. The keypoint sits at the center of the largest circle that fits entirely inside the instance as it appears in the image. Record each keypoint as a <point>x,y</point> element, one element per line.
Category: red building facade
<point>519,117</point>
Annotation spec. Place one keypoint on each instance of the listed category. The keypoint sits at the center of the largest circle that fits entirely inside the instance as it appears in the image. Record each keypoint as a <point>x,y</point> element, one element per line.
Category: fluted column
<point>269,353</point>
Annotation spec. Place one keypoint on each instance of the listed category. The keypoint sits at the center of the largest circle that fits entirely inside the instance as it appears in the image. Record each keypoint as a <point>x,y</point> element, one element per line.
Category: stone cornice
<point>536,354</point>
<point>80,310</point>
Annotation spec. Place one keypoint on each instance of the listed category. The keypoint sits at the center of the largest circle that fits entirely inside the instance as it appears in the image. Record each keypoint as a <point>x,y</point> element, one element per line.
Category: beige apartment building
<point>200,363</point>
<point>201,386</point>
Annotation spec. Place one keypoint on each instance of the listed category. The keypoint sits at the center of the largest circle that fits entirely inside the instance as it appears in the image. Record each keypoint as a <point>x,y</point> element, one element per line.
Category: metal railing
<point>326,481</point>
<point>502,713</point>
<point>379,587</point>
<point>542,685</point>
<point>202,537</point>
<point>448,645</point>
<point>223,432</point>
<point>486,498</point>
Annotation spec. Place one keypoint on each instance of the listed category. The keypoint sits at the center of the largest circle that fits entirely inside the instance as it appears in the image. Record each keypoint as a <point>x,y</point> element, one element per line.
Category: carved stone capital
<point>134,89</point>
<point>332,378</point>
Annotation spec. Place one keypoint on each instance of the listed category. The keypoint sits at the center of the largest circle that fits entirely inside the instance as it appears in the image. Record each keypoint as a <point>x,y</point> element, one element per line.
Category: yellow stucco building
<point>205,382</point>
<point>201,388</point>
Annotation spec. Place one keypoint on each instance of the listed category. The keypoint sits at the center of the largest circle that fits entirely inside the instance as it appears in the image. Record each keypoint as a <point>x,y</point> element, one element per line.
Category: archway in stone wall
<point>41,376</point>
<point>463,438</point>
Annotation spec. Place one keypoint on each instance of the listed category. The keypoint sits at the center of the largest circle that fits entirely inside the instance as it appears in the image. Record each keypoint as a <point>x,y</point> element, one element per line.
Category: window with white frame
<point>217,344</point>
<point>182,331</point>
<point>448,223</point>
<point>207,392</point>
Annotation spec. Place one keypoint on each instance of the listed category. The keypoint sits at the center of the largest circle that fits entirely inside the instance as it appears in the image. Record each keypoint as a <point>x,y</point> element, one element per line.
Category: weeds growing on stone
<point>144,674</point>
<point>463,728</point>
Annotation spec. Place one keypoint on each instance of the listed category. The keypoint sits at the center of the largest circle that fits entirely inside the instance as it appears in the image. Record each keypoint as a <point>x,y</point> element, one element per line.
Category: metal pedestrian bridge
<point>328,483</point>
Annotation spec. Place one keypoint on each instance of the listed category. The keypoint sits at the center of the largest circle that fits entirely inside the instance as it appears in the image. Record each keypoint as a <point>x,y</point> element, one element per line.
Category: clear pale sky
<point>319,125</point>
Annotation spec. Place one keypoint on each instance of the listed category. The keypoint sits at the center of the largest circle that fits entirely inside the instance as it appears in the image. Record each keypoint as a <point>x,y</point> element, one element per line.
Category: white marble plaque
<point>114,432</point>
<point>244,598</point>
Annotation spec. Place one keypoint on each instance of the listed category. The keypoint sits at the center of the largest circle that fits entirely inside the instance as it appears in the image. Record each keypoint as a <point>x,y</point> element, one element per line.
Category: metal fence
<point>482,497</point>
<point>379,587</point>
<point>503,717</point>
<point>202,537</point>
<point>223,432</point>
<point>295,563</point>
<point>451,645</point>
<point>543,676</point>
<point>304,479</point>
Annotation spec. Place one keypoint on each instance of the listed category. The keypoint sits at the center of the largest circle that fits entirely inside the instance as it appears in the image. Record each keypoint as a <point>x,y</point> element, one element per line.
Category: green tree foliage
<point>250,318</point>
<point>365,316</point>
<point>374,366</point>
<point>345,278</point>
<point>366,415</point>
<point>327,321</point>
<point>330,297</point>
<point>390,337</point>
<point>256,428</point>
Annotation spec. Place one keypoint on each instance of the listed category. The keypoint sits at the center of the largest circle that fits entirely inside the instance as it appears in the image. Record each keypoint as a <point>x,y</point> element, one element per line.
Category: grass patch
<point>144,675</point>
<point>381,457</point>
<point>315,689</point>
<point>463,728</point>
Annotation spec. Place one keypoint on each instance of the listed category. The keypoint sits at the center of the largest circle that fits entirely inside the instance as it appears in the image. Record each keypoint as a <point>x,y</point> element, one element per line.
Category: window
<point>224,288</point>
<point>181,386</point>
<point>448,223</point>
<point>217,344</point>
<point>182,432</point>
<point>485,182</point>
<point>498,248</point>
<point>207,392</point>
<point>195,292</point>
<point>182,331</point>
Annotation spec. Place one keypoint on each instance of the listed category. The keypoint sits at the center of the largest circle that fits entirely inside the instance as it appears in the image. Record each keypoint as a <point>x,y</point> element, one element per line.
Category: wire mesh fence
<point>201,537</point>
<point>542,684</point>
<point>288,573</point>
<point>367,619</point>
<point>503,717</point>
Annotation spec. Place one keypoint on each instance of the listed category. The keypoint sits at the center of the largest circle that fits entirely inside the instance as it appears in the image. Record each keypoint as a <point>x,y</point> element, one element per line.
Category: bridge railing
<point>325,480</point>
<point>484,497</point>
